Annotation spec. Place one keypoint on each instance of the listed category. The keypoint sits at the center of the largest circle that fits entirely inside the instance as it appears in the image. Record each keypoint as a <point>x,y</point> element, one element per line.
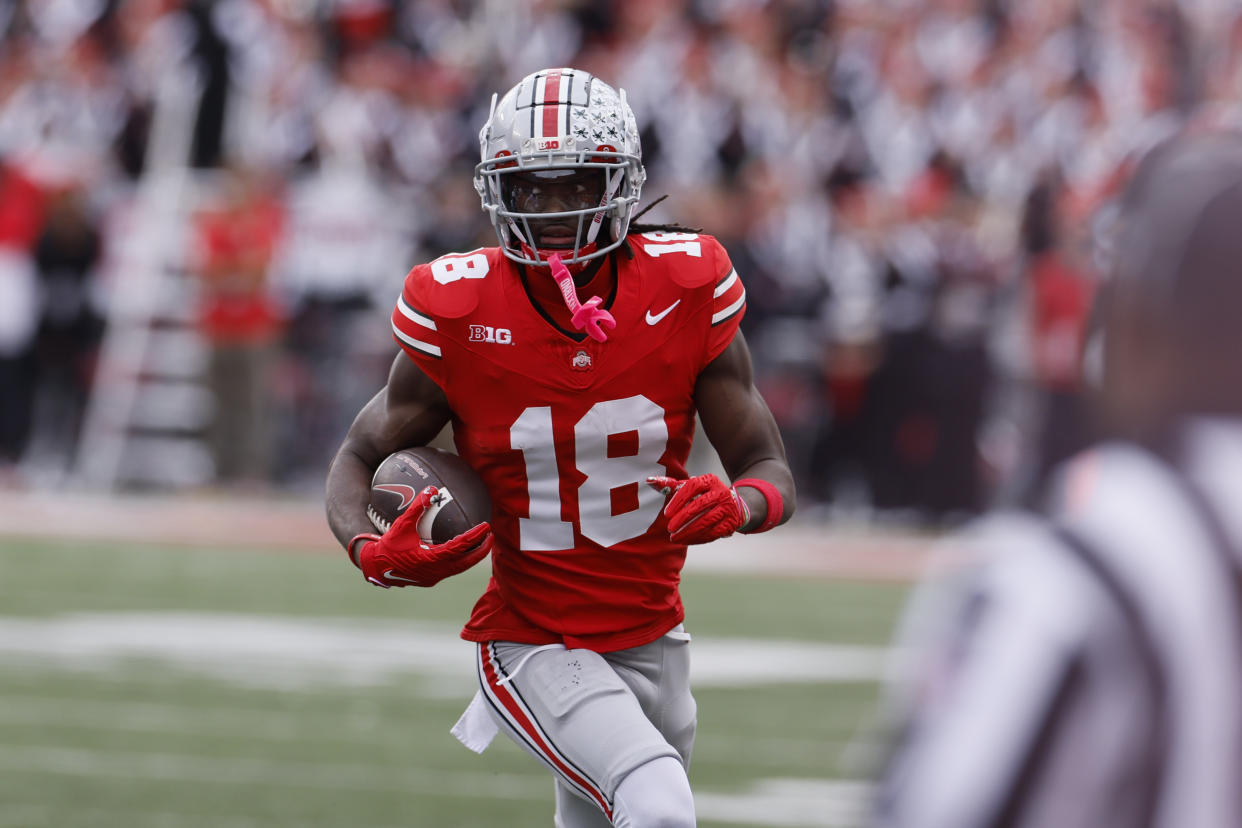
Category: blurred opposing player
<point>1088,671</point>
<point>571,361</point>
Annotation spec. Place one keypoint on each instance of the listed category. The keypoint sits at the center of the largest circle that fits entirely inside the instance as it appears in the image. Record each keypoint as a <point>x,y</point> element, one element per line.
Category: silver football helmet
<point>560,154</point>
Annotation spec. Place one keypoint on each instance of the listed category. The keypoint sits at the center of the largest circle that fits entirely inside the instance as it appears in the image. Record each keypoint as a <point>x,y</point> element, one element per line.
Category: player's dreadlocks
<point>670,227</point>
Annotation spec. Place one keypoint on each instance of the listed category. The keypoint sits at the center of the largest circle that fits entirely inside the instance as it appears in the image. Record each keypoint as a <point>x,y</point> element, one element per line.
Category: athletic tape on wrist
<point>776,506</point>
<point>349,548</point>
<point>741,502</point>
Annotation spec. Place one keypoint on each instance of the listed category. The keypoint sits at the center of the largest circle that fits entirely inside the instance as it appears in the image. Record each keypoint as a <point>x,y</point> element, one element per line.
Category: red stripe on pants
<point>519,717</point>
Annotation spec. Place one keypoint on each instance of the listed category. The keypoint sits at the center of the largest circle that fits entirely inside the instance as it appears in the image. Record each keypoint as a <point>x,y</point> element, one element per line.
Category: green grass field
<point>143,686</point>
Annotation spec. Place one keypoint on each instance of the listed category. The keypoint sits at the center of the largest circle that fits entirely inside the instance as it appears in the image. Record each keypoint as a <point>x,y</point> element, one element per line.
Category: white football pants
<point>615,728</point>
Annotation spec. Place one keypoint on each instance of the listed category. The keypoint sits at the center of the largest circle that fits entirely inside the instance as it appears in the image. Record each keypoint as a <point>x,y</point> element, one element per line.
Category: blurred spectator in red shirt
<point>21,214</point>
<point>1061,291</point>
<point>242,322</point>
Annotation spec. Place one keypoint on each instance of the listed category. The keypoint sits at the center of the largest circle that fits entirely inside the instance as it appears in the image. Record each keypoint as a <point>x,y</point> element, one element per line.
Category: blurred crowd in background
<point>916,192</point>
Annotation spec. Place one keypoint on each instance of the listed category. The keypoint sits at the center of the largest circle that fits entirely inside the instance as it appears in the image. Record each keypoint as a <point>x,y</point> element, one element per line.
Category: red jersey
<point>564,430</point>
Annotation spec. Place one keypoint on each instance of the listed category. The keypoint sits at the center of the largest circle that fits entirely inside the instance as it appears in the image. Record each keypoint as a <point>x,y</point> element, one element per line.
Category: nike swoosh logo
<point>389,576</point>
<point>406,493</point>
<point>653,319</point>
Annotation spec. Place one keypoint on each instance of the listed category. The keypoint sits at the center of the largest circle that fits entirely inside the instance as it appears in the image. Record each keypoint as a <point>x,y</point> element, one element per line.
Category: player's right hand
<point>401,558</point>
<point>701,509</point>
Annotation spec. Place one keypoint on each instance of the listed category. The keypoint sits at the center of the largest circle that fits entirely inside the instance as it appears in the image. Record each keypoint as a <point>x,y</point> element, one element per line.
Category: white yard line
<point>789,803</point>
<point>288,653</point>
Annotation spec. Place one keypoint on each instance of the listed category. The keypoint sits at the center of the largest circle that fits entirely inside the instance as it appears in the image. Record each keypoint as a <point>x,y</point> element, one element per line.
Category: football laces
<point>377,520</point>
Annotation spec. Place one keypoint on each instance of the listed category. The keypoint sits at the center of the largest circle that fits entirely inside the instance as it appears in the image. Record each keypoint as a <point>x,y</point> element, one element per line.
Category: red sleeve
<point>728,301</point>
<point>414,328</point>
<point>434,295</point>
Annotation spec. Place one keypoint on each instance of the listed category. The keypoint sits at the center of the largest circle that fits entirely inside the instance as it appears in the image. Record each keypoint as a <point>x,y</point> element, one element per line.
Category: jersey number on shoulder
<point>466,266</point>
<point>531,433</point>
<point>666,242</point>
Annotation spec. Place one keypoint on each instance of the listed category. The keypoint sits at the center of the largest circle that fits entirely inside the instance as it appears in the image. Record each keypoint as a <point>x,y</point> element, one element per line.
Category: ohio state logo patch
<point>581,361</point>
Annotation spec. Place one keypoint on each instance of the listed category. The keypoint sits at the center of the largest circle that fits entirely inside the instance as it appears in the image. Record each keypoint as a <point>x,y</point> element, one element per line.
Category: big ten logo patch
<point>486,333</point>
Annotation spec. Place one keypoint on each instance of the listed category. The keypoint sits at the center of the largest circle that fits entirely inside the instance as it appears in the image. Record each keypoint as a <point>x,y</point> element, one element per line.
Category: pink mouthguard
<point>587,316</point>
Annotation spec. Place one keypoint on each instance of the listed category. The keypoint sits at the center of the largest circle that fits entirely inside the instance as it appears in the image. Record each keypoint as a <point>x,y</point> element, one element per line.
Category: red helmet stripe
<point>551,102</point>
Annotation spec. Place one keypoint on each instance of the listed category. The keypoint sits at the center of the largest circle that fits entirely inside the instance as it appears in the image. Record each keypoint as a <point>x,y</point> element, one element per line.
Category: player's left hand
<point>701,509</point>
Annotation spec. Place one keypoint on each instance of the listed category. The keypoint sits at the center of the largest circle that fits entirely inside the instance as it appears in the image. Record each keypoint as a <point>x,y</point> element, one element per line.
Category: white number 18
<point>544,530</point>
<point>687,243</point>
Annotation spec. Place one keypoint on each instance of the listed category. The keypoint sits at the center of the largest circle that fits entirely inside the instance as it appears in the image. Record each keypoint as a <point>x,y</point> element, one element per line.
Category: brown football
<point>464,501</point>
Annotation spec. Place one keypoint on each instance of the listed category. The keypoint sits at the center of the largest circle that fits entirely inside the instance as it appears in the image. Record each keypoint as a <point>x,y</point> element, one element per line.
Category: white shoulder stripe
<point>416,344</point>
<point>725,284</point>
<point>720,316</point>
<point>413,315</point>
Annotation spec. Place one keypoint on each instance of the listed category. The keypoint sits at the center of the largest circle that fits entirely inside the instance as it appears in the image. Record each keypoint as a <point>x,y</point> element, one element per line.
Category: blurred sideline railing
<point>146,417</point>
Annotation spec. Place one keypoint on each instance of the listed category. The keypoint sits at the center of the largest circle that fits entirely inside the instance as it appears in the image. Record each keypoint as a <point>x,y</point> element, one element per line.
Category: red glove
<point>701,509</point>
<point>401,558</point>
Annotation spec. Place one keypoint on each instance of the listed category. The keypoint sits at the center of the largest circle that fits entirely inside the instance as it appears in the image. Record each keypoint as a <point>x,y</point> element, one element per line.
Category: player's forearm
<point>775,472</point>
<point>748,441</point>
<point>348,492</point>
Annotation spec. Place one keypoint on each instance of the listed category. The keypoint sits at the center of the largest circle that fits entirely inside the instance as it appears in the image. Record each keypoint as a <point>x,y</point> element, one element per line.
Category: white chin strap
<point>612,182</point>
<point>522,240</point>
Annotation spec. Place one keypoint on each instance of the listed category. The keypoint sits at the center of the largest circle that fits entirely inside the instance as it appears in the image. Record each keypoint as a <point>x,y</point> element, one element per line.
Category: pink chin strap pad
<point>587,316</point>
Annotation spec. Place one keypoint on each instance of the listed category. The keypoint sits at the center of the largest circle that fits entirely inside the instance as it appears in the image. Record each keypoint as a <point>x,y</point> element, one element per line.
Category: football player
<point>571,361</point>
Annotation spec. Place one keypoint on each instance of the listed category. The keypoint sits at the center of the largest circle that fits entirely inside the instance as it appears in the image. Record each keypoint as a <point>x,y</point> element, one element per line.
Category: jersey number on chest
<point>532,434</point>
